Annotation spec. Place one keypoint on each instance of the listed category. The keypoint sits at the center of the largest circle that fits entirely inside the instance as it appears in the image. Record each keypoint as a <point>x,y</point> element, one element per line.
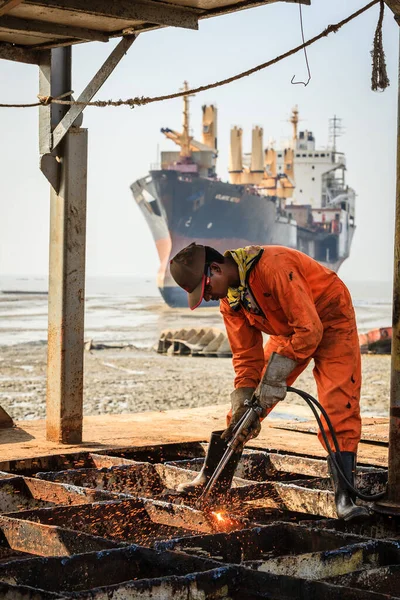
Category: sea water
<point>131,310</point>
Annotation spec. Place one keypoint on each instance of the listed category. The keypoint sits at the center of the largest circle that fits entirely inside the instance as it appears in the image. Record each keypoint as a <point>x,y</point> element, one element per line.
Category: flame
<point>223,522</point>
<point>219,517</point>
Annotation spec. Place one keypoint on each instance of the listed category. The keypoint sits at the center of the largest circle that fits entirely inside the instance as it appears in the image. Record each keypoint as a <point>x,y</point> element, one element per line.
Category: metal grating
<point>108,524</point>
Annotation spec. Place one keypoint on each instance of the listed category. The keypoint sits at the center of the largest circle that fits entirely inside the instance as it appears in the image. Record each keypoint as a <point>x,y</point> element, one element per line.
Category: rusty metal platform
<point>28,439</point>
<point>110,524</point>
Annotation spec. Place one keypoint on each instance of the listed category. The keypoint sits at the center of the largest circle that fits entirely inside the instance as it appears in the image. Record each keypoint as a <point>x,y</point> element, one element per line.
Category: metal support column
<point>67,293</point>
<point>63,160</point>
<point>394,430</point>
<point>66,170</point>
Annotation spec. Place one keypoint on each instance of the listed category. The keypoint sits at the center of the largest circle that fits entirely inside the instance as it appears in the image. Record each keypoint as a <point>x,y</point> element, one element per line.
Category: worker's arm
<point>246,345</point>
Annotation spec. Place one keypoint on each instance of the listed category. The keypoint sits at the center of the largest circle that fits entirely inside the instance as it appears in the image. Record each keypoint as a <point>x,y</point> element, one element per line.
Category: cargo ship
<point>295,196</point>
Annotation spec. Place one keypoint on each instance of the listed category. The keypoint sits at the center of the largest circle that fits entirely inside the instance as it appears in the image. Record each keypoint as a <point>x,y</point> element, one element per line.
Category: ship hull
<point>181,209</point>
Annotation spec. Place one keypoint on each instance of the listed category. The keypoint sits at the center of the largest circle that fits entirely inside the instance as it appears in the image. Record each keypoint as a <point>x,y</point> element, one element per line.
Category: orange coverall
<point>308,313</point>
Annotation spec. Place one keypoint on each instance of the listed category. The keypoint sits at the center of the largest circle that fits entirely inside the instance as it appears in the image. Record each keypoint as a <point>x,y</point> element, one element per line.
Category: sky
<point>123,143</point>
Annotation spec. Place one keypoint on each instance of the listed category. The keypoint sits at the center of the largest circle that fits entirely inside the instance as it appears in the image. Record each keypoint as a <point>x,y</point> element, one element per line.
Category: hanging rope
<point>379,78</point>
<point>305,83</point>
<point>141,100</point>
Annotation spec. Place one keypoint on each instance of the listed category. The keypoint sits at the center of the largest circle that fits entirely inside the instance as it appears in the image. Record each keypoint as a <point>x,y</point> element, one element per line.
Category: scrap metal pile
<point>207,341</point>
<point>109,525</point>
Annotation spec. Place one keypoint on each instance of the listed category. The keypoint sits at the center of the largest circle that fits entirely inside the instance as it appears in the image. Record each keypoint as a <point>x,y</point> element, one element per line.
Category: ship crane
<point>178,139</point>
<point>184,140</point>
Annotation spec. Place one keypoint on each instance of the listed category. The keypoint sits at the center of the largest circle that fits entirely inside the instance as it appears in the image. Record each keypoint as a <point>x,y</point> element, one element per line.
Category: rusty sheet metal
<point>385,580</point>
<point>327,591</point>
<point>159,453</point>
<point>133,521</point>
<point>137,478</point>
<point>191,519</point>
<point>235,583</point>
<point>152,481</point>
<point>259,465</point>
<point>48,540</point>
<point>321,565</point>
<point>290,550</point>
<point>172,476</point>
<point>20,592</point>
<point>20,493</point>
<point>303,500</point>
<point>260,543</point>
<point>79,460</point>
<point>134,478</point>
<point>53,462</point>
<point>276,464</point>
<point>105,568</point>
<point>293,498</point>
<point>307,496</point>
<point>376,526</point>
<point>312,496</point>
<point>272,486</point>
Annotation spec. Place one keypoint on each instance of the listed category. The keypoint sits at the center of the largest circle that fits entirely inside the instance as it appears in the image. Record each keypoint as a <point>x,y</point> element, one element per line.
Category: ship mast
<point>186,138</point>
<point>294,119</point>
<point>335,130</point>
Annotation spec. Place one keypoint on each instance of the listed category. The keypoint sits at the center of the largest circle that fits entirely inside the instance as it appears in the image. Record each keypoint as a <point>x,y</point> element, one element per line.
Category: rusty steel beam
<point>67,294</point>
<point>19,54</point>
<point>7,5</point>
<point>394,6</point>
<point>55,68</point>
<point>245,4</point>
<point>67,174</point>
<point>24,493</point>
<point>92,88</point>
<point>31,26</point>
<point>49,540</point>
<point>161,13</point>
<point>95,571</point>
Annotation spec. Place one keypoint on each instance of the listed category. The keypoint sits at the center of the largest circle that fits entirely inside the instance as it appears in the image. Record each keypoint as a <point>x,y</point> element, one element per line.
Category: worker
<point>308,313</point>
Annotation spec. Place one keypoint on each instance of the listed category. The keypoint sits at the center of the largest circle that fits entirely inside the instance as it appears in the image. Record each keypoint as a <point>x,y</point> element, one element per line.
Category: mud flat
<point>129,380</point>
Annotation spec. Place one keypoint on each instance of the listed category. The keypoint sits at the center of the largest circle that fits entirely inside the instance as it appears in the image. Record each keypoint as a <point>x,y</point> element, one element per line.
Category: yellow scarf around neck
<point>245,258</point>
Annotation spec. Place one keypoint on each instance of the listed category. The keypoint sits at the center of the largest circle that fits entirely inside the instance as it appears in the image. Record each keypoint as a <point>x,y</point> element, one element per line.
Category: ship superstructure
<point>295,196</point>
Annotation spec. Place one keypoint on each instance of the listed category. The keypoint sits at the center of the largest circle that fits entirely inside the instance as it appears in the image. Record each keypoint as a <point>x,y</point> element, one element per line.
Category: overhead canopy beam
<point>10,52</point>
<point>31,27</point>
<point>92,88</point>
<point>223,10</point>
<point>152,11</point>
<point>7,5</point>
<point>394,5</point>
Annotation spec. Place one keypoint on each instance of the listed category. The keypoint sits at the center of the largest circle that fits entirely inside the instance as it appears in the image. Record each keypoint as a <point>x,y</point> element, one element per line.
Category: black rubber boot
<point>215,452</point>
<point>345,507</point>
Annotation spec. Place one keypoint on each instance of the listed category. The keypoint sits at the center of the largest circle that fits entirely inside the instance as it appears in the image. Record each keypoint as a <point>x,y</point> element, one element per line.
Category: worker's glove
<point>238,399</point>
<point>272,388</point>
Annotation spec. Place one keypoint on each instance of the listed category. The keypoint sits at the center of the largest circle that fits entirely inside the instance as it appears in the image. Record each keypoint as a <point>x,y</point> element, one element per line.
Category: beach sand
<point>131,380</point>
